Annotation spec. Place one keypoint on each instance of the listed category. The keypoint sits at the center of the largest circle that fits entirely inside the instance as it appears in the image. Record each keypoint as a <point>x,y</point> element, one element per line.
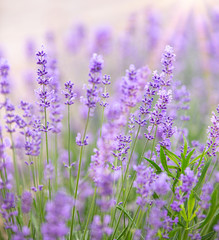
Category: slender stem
<point>78,176</point>
<point>89,214</point>
<point>153,144</point>
<point>126,171</point>
<point>135,215</point>
<point>47,148</point>
<point>56,162</point>
<point>15,165</point>
<point>102,119</point>
<point>69,147</point>
<point>124,204</point>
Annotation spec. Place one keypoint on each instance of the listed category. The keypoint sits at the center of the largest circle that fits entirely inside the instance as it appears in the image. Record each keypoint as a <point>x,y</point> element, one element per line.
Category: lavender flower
<point>213,137</point>
<point>57,214</point>
<point>95,78</point>
<point>129,87</point>
<point>144,183</point>
<point>69,93</point>
<point>43,80</point>
<point>4,82</point>
<point>98,229</point>
<point>26,202</point>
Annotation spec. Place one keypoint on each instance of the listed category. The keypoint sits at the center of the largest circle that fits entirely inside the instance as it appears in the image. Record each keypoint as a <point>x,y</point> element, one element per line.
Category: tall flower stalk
<point>45,98</point>
<point>95,76</point>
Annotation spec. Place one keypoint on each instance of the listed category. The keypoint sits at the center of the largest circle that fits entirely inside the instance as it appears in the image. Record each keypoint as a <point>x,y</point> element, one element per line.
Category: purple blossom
<point>20,235</point>
<point>96,66</point>
<point>167,61</point>
<point>205,197</point>
<point>129,87</point>
<point>188,181</point>
<point>144,183</point>
<point>213,135</point>
<point>55,106</point>
<point>95,78</point>
<point>81,142</point>
<point>161,186</point>
<point>26,202</point>
<point>98,229</point>
<point>69,93</point>
<point>57,214</point>
<point>4,81</point>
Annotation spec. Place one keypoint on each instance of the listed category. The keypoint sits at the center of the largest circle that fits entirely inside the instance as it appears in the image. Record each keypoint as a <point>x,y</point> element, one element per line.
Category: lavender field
<point>110,131</point>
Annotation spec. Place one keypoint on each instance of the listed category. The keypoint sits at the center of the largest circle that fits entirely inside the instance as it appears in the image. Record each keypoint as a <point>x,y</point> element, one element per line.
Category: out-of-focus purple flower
<point>205,197</point>
<point>161,186</point>
<point>216,228</point>
<point>49,171</point>
<point>30,48</point>
<point>153,28</point>
<point>188,181</point>
<point>144,183</point>
<point>26,202</point>
<point>129,87</point>
<point>75,38</point>
<point>102,40</point>
<point>159,218</point>
<point>20,235</point>
<point>56,216</point>
<point>98,229</point>
<point>32,144</point>
<point>55,106</point>
<point>4,81</point>
<point>9,201</point>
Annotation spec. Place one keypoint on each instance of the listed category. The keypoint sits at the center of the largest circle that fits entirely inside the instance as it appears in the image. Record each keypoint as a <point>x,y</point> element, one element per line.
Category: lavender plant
<point>137,176</point>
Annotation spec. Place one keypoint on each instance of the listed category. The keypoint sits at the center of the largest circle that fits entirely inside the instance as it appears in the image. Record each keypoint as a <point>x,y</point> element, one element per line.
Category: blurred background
<point>125,32</point>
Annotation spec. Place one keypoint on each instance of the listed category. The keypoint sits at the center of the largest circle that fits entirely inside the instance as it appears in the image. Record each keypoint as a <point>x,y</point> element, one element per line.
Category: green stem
<point>15,165</point>
<point>117,224</point>
<point>69,152</point>
<point>126,172</point>
<point>89,214</point>
<point>153,144</point>
<point>130,227</point>
<point>56,162</point>
<point>47,148</point>
<point>78,176</point>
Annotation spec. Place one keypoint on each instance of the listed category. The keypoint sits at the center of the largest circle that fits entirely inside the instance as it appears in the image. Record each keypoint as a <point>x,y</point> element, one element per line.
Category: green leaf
<point>176,179</point>
<point>200,160</point>
<point>172,167</point>
<point>194,214</point>
<point>172,156</point>
<point>185,146</point>
<point>122,233</point>
<point>183,213</point>
<point>202,177</point>
<point>184,163</point>
<point>154,164</point>
<point>208,236</point>
<point>172,233</point>
<point>163,160</point>
<point>212,209</point>
<point>125,212</point>
<point>190,155</point>
<point>191,204</point>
